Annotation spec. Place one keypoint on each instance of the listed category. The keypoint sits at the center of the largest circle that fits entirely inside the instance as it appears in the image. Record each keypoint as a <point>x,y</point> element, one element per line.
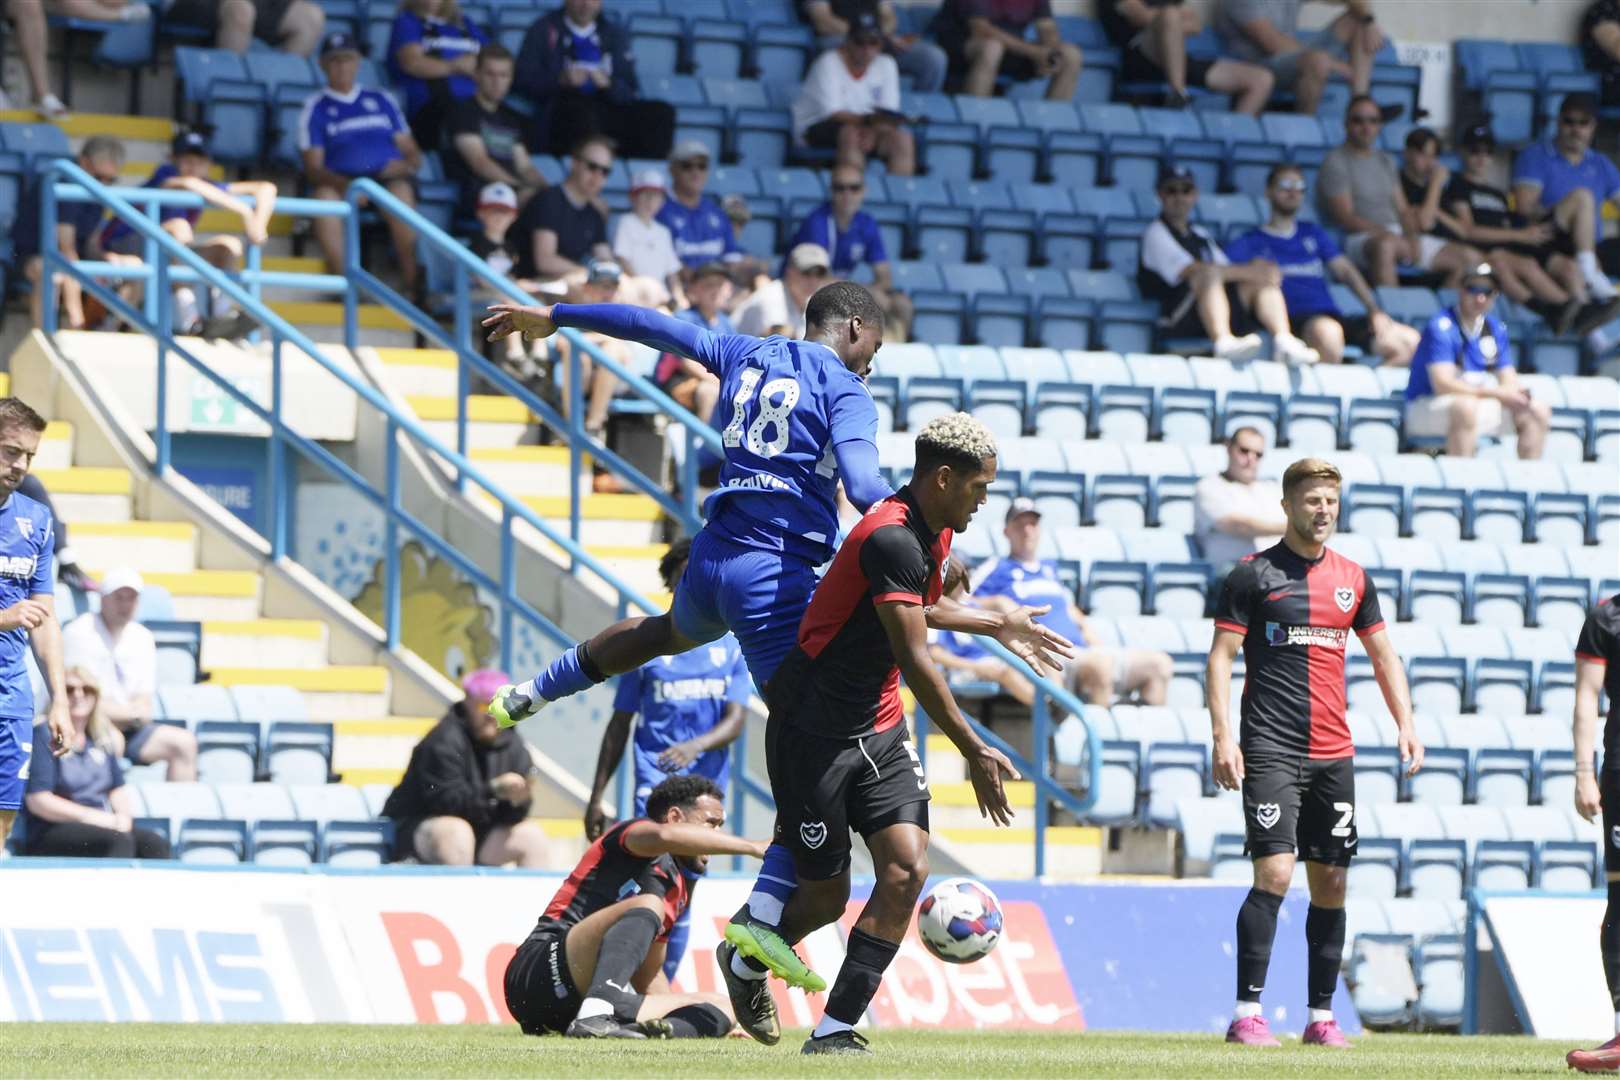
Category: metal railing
<point>167,262</point>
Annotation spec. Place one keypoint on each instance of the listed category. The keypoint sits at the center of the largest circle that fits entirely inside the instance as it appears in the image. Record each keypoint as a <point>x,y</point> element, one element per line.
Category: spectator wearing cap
<point>1529,266</point>
<point>1562,180</point>
<point>190,162</point>
<point>700,228</point>
<point>986,39</point>
<point>851,237</point>
<point>1199,289</point>
<point>708,289</point>
<point>464,799</point>
<point>484,137</point>
<point>1235,513</point>
<point>566,225</point>
<point>576,65</point>
<point>348,131</point>
<point>122,654</point>
<point>1600,46</point>
<point>1359,191</point>
<point>1463,382</point>
<point>602,281</point>
<point>643,244</point>
<point>433,57</point>
<point>1097,675</point>
<point>923,62</point>
<point>497,210</point>
<point>293,26</point>
<point>1152,38</point>
<point>1266,32</point>
<point>850,101</point>
<point>777,307</point>
<point>77,226</point>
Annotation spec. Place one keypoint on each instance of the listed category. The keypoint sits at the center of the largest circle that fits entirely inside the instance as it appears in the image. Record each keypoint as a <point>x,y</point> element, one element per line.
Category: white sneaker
<point>1288,349</point>
<point>1235,350</point>
<point>51,108</point>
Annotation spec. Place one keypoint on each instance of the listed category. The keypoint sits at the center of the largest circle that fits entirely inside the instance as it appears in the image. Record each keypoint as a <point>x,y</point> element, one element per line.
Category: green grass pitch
<point>274,1050</point>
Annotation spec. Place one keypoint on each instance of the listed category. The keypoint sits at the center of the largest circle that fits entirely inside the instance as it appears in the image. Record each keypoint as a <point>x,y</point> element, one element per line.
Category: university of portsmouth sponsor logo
<point>18,566</point>
<point>1326,637</point>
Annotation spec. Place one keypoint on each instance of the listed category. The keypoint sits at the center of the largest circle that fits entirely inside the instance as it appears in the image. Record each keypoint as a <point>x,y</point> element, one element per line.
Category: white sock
<point>740,967</point>
<point>765,907</point>
<point>594,1006</point>
<point>1617,1023</point>
<point>828,1026</point>
<point>1596,280</point>
<point>530,689</point>
<point>1245,1009</point>
<point>1317,1016</point>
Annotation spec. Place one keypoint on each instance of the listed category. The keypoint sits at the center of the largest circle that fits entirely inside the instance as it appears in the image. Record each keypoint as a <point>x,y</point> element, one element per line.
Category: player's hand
<point>1228,765</point>
<point>532,322</point>
<point>1039,647</point>
<point>596,820</point>
<point>1411,750</point>
<point>510,787</point>
<point>1588,799</point>
<point>987,767</point>
<point>23,615</point>
<point>677,756</point>
<point>61,725</point>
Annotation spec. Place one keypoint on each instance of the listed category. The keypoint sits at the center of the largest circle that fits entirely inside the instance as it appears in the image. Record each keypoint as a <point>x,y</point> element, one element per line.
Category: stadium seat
<point>284,843</point>
<point>1437,868</point>
<point>1443,780</point>
<point>1567,866</point>
<point>1179,590</point>
<point>211,841</point>
<point>1116,589</point>
<point>1380,970</point>
<point>299,752</point>
<point>1373,510</point>
<point>268,703</point>
<point>1175,771</point>
<point>1504,865</point>
<point>1118,501</point>
<point>356,843</point>
<point>1438,965</point>
<point>1117,784</point>
<point>1503,777</point>
<point>1499,600</point>
<point>1378,774</point>
<point>1437,597</point>
<point>1000,320</point>
<point>1438,514</point>
<point>1375,873</point>
<point>1502,685</point>
<point>227,751</point>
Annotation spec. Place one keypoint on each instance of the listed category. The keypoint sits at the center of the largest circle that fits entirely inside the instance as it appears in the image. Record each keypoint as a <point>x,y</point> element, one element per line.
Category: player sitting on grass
<point>800,419</point>
<point>836,743</point>
<point>606,928</point>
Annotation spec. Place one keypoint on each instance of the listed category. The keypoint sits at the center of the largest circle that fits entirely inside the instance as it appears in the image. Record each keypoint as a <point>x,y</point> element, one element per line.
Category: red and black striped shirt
<point>607,873</point>
<point>842,681</point>
<point>1295,616</point>
<point>1600,643</point>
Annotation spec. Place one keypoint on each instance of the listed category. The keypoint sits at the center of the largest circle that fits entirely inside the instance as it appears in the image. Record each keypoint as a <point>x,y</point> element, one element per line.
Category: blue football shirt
<point>439,40</point>
<point>117,228</point>
<point>861,243</point>
<point>702,233</point>
<point>1541,165</point>
<point>1302,257</point>
<point>26,539</point>
<point>1034,584</point>
<point>679,698</point>
<point>1445,342</point>
<point>355,130</point>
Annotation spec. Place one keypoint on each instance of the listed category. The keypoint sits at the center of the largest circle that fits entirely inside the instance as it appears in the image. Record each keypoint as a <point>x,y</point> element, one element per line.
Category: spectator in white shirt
<point>851,101</point>
<point>1236,513</point>
<point>643,245</point>
<point>123,655</point>
<point>778,306</point>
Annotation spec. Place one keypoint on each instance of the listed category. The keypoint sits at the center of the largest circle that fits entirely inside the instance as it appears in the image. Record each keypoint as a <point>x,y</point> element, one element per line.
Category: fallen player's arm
<point>646,839</point>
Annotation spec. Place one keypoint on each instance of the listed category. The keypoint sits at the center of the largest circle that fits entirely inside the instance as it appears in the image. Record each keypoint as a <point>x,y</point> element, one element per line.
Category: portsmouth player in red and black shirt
<point>1597,667</point>
<point>1291,608</point>
<point>606,928</point>
<point>836,745</point>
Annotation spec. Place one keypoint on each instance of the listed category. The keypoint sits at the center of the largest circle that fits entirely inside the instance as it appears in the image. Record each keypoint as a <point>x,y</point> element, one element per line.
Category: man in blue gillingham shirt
<point>27,611</point>
<point>800,419</point>
<point>691,708</point>
<point>852,236</point>
<point>1463,382</point>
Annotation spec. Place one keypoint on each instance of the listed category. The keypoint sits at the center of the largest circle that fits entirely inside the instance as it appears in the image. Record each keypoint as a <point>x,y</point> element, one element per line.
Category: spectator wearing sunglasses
<point>1463,382</point>
<point>1562,180</point>
<point>1235,513</point>
<point>850,102</point>
<point>851,236</point>
<point>778,306</point>
<point>702,231</point>
<point>567,224</point>
<point>1203,293</point>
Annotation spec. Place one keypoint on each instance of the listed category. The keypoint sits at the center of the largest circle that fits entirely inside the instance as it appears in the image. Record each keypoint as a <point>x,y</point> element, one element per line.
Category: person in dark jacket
<point>464,798</point>
<point>575,66</point>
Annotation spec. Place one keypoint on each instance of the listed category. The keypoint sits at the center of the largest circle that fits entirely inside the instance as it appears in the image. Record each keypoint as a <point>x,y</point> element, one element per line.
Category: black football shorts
<point>540,993</point>
<point>1609,791</point>
<point>1298,804</point>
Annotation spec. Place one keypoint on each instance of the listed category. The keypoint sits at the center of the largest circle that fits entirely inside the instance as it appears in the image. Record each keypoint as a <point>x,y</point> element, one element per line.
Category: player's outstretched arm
<point>649,838</point>
<point>1034,644</point>
<point>1588,680</point>
<point>651,328</point>
<point>1228,758</point>
<point>506,319</point>
<point>907,631</point>
<point>1391,678</point>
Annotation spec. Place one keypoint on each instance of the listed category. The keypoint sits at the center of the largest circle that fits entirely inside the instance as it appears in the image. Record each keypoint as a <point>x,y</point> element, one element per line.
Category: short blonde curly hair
<point>956,439</point>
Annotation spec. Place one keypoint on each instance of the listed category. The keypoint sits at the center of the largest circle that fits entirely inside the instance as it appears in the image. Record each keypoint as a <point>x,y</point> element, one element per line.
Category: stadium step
<point>335,691</point>
<point>83,125</point>
<point>82,493</point>
<point>617,519</point>
<point>426,372</point>
<point>271,643</point>
<point>567,836</point>
<point>322,320</point>
<point>955,804</point>
<point>206,595</point>
<point>945,764</point>
<point>1072,852</point>
<point>360,777</point>
<point>55,445</point>
<point>492,420</point>
<point>377,744</point>
<point>163,546</point>
<point>527,470</point>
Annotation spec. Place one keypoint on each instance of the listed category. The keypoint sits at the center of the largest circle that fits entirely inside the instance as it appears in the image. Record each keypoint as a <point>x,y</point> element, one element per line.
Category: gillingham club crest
<point>1345,597</point>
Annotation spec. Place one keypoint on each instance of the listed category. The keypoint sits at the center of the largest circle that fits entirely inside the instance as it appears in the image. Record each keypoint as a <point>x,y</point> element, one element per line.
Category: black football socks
<point>1256,927</point>
<point>1324,937</point>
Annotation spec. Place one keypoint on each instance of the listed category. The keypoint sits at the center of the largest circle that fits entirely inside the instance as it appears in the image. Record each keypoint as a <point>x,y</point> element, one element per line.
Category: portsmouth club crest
<point>1345,597</point>
<point>1266,814</point>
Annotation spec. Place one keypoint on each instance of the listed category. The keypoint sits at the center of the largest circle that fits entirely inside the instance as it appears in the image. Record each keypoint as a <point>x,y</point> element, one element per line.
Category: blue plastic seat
<point>1375,874</point>
<point>1378,771</point>
<point>1504,865</point>
<point>1074,158</point>
<point>999,319</point>
<point>1068,241</point>
<point>938,316</point>
<point>1439,684</point>
<point>1005,238</point>
<point>299,752</point>
<point>1499,600</point>
<point>660,41</point>
<point>999,404</point>
<point>1115,589</point>
<point>1567,865</point>
<point>1438,964</point>
<point>1175,771</point>
<point>943,234</point>
<point>1437,868</point>
<point>200,68</point>
<point>211,841</point>
<point>329,802</point>
<point>284,843</point>
<point>1503,776</point>
<point>1499,516</point>
<point>356,843</point>
<point>1118,502</point>
<point>227,751</point>
<point>1179,590</point>
<point>950,150</point>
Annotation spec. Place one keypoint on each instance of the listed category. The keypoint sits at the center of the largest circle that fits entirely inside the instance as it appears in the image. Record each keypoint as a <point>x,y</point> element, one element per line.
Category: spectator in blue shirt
<point>963,657</point>
<point>77,223</point>
<point>682,378</point>
<point>577,68</point>
<point>852,237</point>
<point>1463,382</point>
<point>346,132</point>
<point>701,229</point>
<point>433,58</point>
<point>1563,180</point>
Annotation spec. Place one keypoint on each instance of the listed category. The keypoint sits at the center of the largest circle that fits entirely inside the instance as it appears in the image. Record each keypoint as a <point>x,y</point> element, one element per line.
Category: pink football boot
<point>1251,1031</point>
<point>1324,1033</point>
<point>1605,1058</point>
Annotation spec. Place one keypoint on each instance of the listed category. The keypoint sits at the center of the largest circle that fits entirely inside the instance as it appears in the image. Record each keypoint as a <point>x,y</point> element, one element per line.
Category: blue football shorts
<point>758,595</point>
<point>16,747</point>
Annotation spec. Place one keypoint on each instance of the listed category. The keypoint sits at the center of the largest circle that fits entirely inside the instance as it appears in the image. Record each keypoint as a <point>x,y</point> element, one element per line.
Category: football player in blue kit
<point>27,610</point>
<point>797,419</point>
<point>691,709</point>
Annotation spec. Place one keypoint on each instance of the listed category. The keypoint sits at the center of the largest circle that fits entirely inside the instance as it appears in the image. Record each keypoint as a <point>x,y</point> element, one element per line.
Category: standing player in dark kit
<point>606,928</point>
<point>27,611</point>
<point>836,744</point>
<point>1597,666</point>
<point>1291,608</point>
